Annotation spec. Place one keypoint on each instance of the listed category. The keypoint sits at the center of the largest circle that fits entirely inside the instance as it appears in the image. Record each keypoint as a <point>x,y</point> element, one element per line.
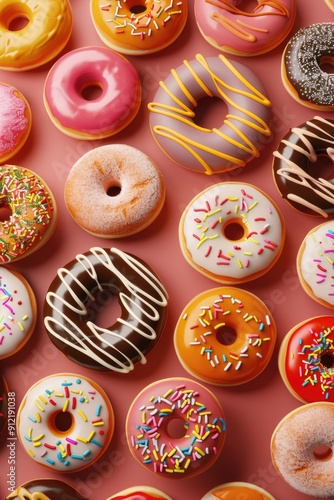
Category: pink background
<point>252,410</point>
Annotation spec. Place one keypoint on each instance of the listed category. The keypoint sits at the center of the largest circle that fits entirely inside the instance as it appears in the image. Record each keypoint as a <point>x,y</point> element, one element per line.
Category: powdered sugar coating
<point>139,185</point>
<point>14,121</point>
<point>293,443</point>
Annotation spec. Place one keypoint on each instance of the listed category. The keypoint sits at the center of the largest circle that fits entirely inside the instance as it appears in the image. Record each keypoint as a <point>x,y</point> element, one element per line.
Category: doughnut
<point>232,232</point>
<point>163,448</point>
<point>306,359</point>
<point>114,191</point>
<point>31,213</point>
<point>211,151</point>
<point>45,489</point>
<point>315,264</point>
<point>330,4</point>
<point>85,286</point>
<point>225,336</point>
<point>227,27</point>
<point>15,121</point>
<point>298,150</point>
<point>92,93</point>
<point>302,75</point>
<point>139,27</point>
<point>32,32</point>
<point>65,422</point>
<point>237,491</point>
<point>18,312</point>
<point>302,449</point>
<point>3,403</point>
<point>140,493</point>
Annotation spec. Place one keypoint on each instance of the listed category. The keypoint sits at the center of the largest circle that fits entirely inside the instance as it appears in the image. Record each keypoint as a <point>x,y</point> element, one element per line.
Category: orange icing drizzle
<point>183,113</point>
<point>236,28</point>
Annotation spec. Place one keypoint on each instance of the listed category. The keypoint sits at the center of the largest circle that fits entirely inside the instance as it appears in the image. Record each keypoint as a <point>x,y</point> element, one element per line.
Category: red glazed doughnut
<point>306,360</point>
<point>140,493</point>
<point>155,446</point>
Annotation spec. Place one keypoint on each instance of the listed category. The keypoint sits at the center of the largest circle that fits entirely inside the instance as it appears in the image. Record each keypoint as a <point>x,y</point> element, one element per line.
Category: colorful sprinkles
<point>204,429</point>
<point>87,422</point>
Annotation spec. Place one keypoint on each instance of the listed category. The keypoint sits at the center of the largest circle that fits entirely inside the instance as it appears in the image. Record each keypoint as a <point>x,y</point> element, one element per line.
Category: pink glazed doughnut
<point>242,132</point>
<point>96,68</point>
<point>230,29</point>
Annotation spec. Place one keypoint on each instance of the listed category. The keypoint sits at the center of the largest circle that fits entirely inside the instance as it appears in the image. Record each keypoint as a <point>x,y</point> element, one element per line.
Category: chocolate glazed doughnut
<point>298,150</point>
<point>74,293</point>
<point>45,489</point>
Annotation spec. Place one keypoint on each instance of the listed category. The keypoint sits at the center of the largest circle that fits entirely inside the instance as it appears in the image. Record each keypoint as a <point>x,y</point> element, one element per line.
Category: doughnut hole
<point>5,212</point>
<point>248,5</point>
<point>327,360</point>
<point>15,17</point>
<point>136,6</point>
<point>207,110</point>
<point>114,190</point>
<point>322,452</point>
<point>175,427</point>
<point>326,64</point>
<point>91,91</point>
<point>61,423</point>
<point>104,310</point>
<point>226,335</point>
<point>234,230</point>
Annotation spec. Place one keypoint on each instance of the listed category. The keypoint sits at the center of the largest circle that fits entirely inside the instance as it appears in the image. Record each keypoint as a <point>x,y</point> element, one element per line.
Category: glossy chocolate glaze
<point>45,489</point>
<point>76,293</point>
<point>3,403</point>
<point>297,152</point>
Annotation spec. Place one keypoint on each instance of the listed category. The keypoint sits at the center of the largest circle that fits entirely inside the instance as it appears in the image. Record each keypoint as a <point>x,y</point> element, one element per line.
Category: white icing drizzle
<point>86,345</point>
<point>294,174</point>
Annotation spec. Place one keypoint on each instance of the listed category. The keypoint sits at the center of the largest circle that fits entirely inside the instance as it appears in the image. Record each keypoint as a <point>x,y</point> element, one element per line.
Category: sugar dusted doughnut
<point>88,283</point>
<point>15,121</point>
<point>18,312</point>
<point>65,422</point>
<point>232,232</point>
<point>3,403</point>
<point>302,75</point>
<point>243,131</point>
<point>120,197</point>
<point>315,264</point>
<point>33,213</point>
<point>48,29</point>
<point>45,489</point>
<point>140,493</point>
<point>225,336</point>
<point>237,491</point>
<point>306,359</point>
<point>228,28</point>
<point>141,27</point>
<point>158,447</point>
<point>297,151</point>
<point>302,449</point>
<point>99,69</point>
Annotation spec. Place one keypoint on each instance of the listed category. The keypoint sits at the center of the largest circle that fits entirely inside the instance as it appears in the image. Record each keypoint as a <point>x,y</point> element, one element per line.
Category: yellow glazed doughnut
<point>237,491</point>
<point>47,30</point>
<point>232,232</point>
<point>32,213</point>
<point>15,121</point>
<point>114,191</point>
<point>139,27</point>
<point>182,452</point>
<point>65,422</point>
<point>302,449</point>
<point>225,336</point>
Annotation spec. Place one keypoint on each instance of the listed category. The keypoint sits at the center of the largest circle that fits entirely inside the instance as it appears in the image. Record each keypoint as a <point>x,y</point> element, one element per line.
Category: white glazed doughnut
<point>302,449</point>
<point>65,422</point>
<point>114,191</point>
<point>18,312</point>
<point>232,232</point>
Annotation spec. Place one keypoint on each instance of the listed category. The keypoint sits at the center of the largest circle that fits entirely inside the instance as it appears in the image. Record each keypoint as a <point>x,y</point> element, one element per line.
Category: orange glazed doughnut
<point>46,29</point>
<point>15,121</point>
<point>140,493</point>
<point>65,422</point>
<point>237,491</point>
<point>45,489</point>
<point>306,360</point>
<point>225,336</point>
<point>139,27</point>
<point>302,449</point>
<point>157,446</point>
<point>114,191</point>
<point>33,214</point>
